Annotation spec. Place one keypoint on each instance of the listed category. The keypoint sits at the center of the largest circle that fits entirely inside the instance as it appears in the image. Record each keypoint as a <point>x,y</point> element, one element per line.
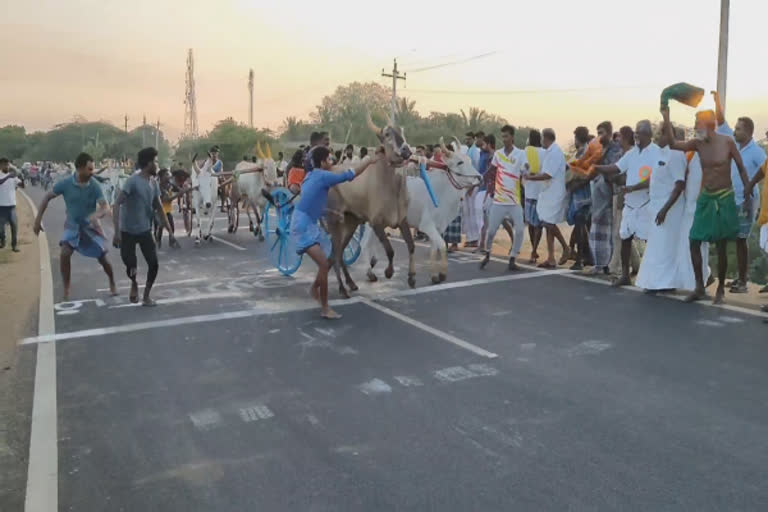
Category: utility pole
<point>250,98</point>
<point>395,76</point>
<point>722,61</point>
<point>144,132</point>
<point>126,123</point>
<point>157,135</point>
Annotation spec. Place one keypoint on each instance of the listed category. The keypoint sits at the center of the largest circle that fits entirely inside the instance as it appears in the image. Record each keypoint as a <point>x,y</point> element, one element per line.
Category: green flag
<point>686,94</point>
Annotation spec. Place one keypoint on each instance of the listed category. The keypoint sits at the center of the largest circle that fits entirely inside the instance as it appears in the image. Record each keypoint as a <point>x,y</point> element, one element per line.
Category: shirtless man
<point>716,219</point>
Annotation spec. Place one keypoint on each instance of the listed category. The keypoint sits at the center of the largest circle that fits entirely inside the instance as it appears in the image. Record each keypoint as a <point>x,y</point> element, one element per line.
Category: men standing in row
<point>753,157</point>
<point>135,207</point>
<point>637,165</point>
<point>509,163</point>
<point>659,270</point>
<point>716,219</point>
<point>82,230</point>
<point>553,199</point>
<point>534,154</point>
<point>9,180</point>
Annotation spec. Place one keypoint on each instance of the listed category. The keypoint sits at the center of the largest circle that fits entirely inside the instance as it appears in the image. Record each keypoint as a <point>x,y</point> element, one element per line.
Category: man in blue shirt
<point>753,157</point>
<point>307,235</point>
<point>82,230</point>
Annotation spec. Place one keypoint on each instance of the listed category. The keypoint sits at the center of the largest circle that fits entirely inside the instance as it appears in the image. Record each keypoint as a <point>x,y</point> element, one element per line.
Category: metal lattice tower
<point>250,98</point>
<point>190,105</point>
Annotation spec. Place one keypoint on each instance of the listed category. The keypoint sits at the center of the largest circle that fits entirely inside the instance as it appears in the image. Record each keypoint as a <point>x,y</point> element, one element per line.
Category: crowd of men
<point>618,187</point>
<point>677,196</point>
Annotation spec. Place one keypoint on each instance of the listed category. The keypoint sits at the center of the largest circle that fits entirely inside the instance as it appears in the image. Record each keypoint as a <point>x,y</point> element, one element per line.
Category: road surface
<point>539,390</point>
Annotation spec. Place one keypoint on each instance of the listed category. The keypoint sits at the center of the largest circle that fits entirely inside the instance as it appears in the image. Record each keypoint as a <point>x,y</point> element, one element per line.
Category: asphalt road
<point>493,391</point>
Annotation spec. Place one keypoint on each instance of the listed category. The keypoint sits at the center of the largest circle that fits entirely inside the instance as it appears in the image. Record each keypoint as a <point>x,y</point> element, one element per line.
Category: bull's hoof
<point>389,272</point>
<point>352,287</point>
<point>343,293</point>
<point>412,280</point>
<point>230,229</point>
<point>261,236</point>
<point>442,277</point>
<point>435,280</point>
<point>372,277</point>
<point>197,242</point>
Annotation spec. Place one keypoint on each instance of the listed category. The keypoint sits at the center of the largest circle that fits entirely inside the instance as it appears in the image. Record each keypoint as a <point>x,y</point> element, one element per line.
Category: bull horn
<point>458,143</point>
<point>443,146</point>
<point>370,123</point>
<point>259,152</point>
<point>269,152</point>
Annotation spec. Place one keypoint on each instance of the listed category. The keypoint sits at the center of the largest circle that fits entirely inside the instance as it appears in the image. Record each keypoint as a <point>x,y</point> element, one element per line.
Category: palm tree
<point>475,119</point>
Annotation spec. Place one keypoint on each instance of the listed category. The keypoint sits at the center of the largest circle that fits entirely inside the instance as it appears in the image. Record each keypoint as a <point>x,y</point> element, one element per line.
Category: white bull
<point>205,191</point>
<point>449,186</point>
<point>250,188</point>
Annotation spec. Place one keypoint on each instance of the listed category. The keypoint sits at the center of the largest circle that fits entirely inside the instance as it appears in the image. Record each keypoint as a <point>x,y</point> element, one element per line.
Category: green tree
<point>346,108</point>
<point>234,139</point>
<point>13,141</point>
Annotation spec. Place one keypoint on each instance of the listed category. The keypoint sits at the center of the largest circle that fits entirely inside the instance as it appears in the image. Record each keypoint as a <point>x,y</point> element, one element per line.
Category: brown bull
<point>380,197</point>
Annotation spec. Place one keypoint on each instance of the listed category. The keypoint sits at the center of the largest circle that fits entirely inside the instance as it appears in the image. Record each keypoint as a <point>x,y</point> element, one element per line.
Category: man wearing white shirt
<point>9,180</point>
<point>660,269</point>
<point>637,164</point>
<point>509,163</point>
<point>552,202</point>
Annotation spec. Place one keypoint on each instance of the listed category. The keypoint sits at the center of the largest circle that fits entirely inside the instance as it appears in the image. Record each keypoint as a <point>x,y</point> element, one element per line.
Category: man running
<point>135,207</point>
<point>82,230</point>
<point>716,218</point>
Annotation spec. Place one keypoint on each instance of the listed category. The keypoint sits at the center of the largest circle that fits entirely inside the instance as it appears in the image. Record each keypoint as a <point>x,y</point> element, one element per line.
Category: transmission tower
<point>250,98</point>
<point>190,105</point>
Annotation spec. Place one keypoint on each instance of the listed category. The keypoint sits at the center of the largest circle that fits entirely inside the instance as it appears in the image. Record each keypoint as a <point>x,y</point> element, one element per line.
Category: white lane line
<point>43,469</point>
<point>278,310</point>
<point>167,283</point>
<point>187,298</point>
<point>469,282</point>
<point>729,307</point>
<point>234,246</point>
<point>173,322</point>
<point>431,330</point>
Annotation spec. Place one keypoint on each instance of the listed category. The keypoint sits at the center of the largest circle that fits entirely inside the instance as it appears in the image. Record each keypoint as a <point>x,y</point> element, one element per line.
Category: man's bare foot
<point>564,259</point>
<point>149,303</point>
<point>719,296</point>
<point>113,290</point>
<point>696,295</point>
<point>330,314</point>
<point>65,296</point>
<point>534,257</point>
<point>621,281</point>
<point>133,296</point>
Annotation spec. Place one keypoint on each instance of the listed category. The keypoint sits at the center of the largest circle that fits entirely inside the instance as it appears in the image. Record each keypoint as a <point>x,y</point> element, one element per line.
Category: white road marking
<point>207,419</point>
<point>173,322</point>
<point>408,381</point>
<point>255,413</point>
<point>710,323</point>
<point>234,246</point>
<point>375,387</point>
<point>737,309</point>
<point>42,494</point>
<point>453,374</point>
<point>589,347</point>
<point>186,298</point>
<point>731,320</point>
<point>168,283</point>
<point>435,332</point>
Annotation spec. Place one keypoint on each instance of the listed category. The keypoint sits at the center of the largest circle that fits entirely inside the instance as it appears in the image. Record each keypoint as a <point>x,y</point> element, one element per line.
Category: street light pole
<point>722,61</point>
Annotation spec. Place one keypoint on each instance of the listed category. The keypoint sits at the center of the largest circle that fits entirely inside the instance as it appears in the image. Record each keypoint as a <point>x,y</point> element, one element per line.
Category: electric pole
<point>144,132</point>
<point>722,61</point>
<point>395,76</point>
<point>250,98</point>
<point>125,119</point>
<point>157,135</point>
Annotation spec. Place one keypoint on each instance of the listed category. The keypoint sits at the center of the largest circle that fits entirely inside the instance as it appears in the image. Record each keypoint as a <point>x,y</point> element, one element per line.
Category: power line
<point>529,91</point>
<point>453,63</point>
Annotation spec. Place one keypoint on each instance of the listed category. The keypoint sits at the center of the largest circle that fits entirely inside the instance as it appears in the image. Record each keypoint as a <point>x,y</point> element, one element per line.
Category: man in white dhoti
<point>553,202</point>
<point>659,270</point>
<point>637,164</point>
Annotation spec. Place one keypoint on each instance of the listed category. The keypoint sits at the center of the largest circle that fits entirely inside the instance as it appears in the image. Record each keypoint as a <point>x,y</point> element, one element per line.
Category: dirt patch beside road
<point>19,291</point>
